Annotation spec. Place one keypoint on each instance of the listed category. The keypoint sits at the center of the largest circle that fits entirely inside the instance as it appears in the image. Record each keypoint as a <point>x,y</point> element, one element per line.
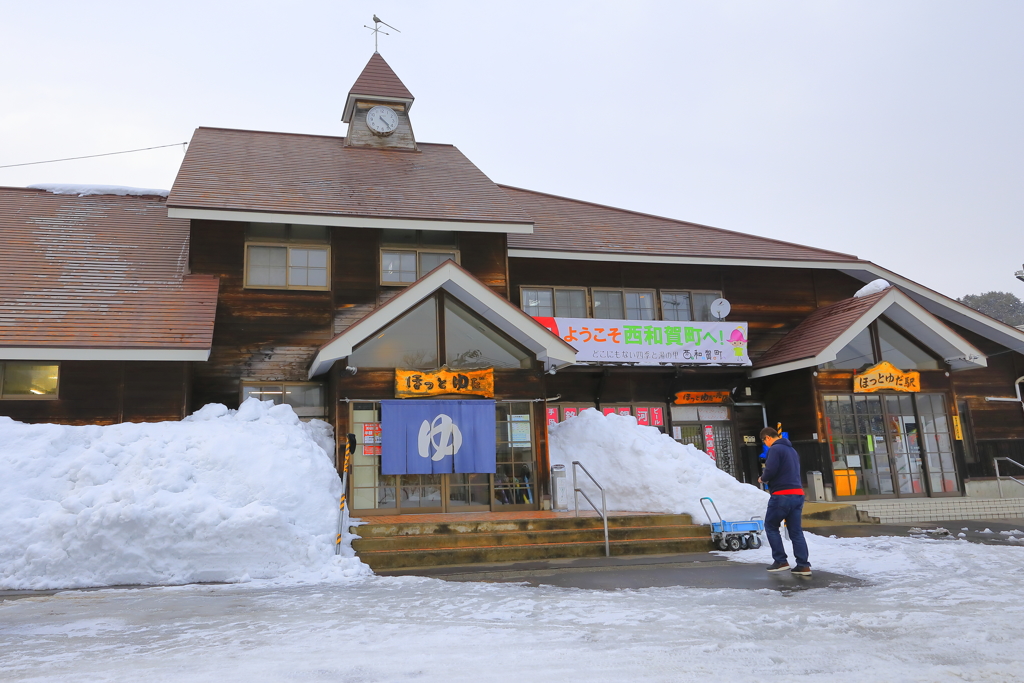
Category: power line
<point>92,156</point>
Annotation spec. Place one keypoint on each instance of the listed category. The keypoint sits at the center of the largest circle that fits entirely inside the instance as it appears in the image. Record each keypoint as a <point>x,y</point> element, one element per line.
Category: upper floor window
<point>21,380</point>
<point>282,256</point>
<point>624,304</point>
<point>408,255</point>
<point>547,302</point>
<point>616,304</point>
<point>687,305</point>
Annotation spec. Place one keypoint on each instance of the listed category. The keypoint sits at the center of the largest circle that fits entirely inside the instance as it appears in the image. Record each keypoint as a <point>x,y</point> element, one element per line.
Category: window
<point>608,305</point>
<point>546,302</point>
<point>881,341</point>
<point>281,256</point>
<point>676,306</point>
<point>471,343</point>
<point>306,398</point>
<point>856,355</point>
<point>408,255</point>
<point>640,305</point>
<point>20,380</point>
<point>409,342</point>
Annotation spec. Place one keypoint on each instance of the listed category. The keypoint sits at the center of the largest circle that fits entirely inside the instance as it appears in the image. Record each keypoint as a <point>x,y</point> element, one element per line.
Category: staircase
<point>403,545</point>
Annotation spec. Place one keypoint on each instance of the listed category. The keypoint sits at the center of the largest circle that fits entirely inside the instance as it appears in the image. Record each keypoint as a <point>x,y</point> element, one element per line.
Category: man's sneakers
<point>801,571</point>
<point>779,567</point>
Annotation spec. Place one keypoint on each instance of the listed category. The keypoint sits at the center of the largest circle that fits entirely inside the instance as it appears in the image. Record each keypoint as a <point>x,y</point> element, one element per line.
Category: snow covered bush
<point>643,470</point>
<point>223,495</point>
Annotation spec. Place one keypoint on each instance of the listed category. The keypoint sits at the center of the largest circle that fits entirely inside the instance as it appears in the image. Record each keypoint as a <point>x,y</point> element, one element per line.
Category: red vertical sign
<point>552,415</point>
<point>642,416</point>
<point>709,441</point>
<point>657,418</point>
<point>608,411</point>
<point>624,411</point>
<point>568,412</point>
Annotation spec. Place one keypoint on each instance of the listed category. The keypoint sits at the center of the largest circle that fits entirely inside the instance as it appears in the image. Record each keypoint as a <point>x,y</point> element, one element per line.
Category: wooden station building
<point>326,271</point>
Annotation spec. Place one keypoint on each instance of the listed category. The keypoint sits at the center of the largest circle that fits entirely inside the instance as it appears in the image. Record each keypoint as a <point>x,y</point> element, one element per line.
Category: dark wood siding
<point>109,392</point>
<point>261,334</point>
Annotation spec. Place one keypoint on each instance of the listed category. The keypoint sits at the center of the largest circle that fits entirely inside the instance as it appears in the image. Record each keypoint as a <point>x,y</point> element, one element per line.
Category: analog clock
<point>382,121</point>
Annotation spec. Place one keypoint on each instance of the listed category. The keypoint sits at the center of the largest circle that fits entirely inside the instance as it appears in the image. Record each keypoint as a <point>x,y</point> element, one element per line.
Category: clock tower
<point>377,109</point>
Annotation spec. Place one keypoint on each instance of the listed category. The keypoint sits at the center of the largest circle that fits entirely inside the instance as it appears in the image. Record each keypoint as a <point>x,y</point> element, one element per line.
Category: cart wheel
<point>743,542</point>
<point>722,544</point>
<point>755,541</point>
<point>734,543</point>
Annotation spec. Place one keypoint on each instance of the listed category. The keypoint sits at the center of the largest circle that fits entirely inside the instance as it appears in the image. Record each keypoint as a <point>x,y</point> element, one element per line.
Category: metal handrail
<point>999,478</point>
<point>604,502</point>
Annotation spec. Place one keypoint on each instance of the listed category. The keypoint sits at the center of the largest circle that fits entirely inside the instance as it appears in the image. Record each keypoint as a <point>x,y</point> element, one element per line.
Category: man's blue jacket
<point>782,467</point>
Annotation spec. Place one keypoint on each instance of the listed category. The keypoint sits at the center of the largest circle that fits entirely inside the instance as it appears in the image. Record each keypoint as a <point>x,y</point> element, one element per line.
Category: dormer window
<point>282,256</point>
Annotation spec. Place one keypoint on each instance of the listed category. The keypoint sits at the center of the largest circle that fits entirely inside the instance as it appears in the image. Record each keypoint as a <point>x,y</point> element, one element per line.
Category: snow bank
<point>223,495</point>
<point>643,470</point>
<point>87,190</point>
<point>872,287</point>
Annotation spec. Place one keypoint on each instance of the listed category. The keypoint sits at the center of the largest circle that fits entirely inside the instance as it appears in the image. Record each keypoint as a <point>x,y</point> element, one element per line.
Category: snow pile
<point>87,190</point>
<point>872,287</point>
<point>223,495</point>
<point>643,470</point>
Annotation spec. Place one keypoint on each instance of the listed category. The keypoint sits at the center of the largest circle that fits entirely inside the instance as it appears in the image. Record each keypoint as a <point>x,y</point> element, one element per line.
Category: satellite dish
<point>720,308</point>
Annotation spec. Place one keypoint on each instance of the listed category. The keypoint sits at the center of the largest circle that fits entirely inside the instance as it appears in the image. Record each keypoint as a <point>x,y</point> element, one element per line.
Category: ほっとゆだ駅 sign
<point>415,383</point>
<point>652,342</point>
<point>886,376</point>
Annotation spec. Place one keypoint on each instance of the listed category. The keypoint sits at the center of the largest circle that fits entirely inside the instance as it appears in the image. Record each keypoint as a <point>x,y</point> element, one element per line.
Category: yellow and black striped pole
<point>350,447</point>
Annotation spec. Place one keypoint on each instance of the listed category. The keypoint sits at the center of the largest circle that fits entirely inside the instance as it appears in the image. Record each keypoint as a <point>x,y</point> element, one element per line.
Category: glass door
<point>879,444</point>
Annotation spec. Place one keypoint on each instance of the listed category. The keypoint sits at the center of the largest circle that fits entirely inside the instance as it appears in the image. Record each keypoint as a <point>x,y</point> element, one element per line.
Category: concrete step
<point>456,526</point>
<point>510,538</point>
<point>396,559</point>
<point>910,510</point>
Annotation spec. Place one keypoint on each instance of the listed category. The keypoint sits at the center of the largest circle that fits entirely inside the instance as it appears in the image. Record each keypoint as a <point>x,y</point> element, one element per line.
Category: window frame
<point>283,384</point>
<point>29,397</point>
<point>414,250</point>
<point>554,298</point>
<point>287,243</point>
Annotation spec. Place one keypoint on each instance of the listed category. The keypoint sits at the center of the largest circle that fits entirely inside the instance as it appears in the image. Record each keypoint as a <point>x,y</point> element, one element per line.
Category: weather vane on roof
<point>375,29</point>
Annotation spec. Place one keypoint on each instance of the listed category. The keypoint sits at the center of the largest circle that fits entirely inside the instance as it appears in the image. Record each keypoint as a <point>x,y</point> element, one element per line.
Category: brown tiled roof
<point>379,79</point>
<point>98,272</point>
<point>818,330</point>
<point>243,170</point>
<point>562,224</point>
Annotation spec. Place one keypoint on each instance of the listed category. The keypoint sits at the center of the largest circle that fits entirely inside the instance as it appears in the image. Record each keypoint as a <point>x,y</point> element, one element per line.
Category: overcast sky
<point>889,130</point>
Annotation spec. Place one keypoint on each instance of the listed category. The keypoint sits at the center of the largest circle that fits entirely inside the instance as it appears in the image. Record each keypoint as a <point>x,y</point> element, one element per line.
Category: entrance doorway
<point>511,487</point>
<point>886,445</point>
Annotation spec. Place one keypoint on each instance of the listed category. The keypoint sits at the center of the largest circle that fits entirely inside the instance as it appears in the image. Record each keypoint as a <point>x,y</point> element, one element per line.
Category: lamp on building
<point>351,369</point>
<point>1020,275</point>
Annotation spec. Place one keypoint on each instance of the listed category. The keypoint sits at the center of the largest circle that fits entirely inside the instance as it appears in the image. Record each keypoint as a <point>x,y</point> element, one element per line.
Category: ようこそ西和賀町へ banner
<point>438,437</point>
<point>652,342</point>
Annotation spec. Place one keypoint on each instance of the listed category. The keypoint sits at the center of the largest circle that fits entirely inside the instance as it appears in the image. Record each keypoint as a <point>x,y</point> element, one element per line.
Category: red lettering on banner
<point>624,411</point>
<point>569,412</point>
<point>657,418</point>
<point>552,416</point>
<point>642,416</point>
<point>709,441</point>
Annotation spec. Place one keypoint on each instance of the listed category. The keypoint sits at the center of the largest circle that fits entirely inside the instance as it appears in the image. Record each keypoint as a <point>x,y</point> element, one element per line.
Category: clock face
<point>382,120</point>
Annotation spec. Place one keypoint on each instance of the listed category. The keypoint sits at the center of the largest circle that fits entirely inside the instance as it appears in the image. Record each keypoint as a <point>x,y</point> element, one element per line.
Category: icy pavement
<point>933,610</point>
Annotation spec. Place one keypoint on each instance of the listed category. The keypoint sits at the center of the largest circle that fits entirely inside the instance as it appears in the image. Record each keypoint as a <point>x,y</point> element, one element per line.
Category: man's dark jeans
<point>788,508</point>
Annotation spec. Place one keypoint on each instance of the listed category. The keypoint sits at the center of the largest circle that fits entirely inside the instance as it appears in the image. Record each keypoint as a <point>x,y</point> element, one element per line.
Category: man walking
<point>782,474</point>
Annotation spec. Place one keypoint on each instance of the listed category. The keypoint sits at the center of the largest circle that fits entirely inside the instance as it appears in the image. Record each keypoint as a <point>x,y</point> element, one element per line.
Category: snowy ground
<point>935,610</point>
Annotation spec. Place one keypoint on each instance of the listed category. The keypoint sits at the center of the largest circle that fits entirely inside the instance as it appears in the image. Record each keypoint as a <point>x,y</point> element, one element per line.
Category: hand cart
<point>733,535</point>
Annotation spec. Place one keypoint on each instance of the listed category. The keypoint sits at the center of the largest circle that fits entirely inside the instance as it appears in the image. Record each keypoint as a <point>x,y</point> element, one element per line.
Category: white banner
<point>653,342</point>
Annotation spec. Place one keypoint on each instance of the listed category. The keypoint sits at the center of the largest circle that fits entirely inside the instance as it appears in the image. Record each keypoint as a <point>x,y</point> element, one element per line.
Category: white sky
<point>890,130</point>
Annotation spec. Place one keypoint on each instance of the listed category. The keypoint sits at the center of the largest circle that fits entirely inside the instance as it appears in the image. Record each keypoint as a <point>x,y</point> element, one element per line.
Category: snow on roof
<point>872,287</point>
<point>86,190</point>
